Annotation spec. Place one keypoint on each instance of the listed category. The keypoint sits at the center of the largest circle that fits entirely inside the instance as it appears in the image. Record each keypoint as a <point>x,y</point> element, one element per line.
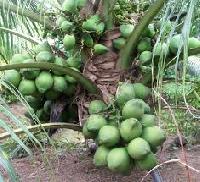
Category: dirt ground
<point>76,166</point>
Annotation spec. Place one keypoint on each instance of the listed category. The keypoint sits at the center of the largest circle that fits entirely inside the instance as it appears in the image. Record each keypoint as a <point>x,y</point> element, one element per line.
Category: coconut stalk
<point>108,7</point>
<point>125,60</point>
<point>86,83</point>
<point>23,12</point>
<point>40,127</point>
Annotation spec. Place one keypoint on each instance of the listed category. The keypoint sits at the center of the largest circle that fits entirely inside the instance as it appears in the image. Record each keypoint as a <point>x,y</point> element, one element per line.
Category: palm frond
<point>6,164</point>
<point>16,16</point>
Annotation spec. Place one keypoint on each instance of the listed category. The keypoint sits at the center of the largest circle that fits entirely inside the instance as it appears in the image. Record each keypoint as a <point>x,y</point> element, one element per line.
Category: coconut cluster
<point>129,139</point>
<point>41,87</point>
<point>147,49</point>
<point>76,31</point>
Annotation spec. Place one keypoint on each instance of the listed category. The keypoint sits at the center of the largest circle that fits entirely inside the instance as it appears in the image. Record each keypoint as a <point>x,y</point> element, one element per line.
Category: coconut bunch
<point>125,137</point>
<point>76,32</point>
<point>41,87</point>
<point>147,48</point>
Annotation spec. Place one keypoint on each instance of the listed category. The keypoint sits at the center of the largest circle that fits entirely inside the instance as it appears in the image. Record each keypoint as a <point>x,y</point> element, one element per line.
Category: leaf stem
<point>26,37</point>
<point>38,127</point>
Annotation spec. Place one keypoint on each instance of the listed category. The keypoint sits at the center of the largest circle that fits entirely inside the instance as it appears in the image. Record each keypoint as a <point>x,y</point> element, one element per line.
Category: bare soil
<point>76,165</point>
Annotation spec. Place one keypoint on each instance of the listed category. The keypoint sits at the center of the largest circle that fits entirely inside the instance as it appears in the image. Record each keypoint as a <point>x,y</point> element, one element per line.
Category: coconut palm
<point>28,22</point>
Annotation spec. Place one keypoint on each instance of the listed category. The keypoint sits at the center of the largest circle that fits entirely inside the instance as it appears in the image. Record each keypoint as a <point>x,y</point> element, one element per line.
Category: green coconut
<point>45,56</point>
<point>89,26</point>
<point>141,91</point>
<point>30,73</point>
<point>146,57</point>
<point>119,160</point>
<point>95,122</point>
<point>51,94</point>
<point>193,43</point>
<point>100,156</point>
<point>87,134</point>
<point>34,102</point>
<point>60,20</point>
<point>119,43</point>
<point>147,108</point>
<point>144,45</point>
<point>167,27</point>
<point>71,79</point>
<point>108,136</point>
<point>148,162</point>
<point>93,24</point>
<point>133,109</point>
<point>69,42</point>
<point>130,129</point>
<point>125,92</point>
<point>175,43</point>
<point>148,120</point>
<point>18,58</point>
<point>96,106</point>
<point>44,81</point>
<point>69,6</point>
<point>149,31</point>
<point>66,26</point>
<point>95,19</point>
<point>100,49</point>
<point>27,87</point>
<point>81,3</point>
<point>138,148</point>
<point>126,30</point>
<point>59,84</point>
<point>42,47</point>
<point>154,135</point>
<point>161,48</point>
<point>59,61</point>
<point>12,77</point>
<point>87,40</point>
<point>100,28</point>
<point>74,61</point>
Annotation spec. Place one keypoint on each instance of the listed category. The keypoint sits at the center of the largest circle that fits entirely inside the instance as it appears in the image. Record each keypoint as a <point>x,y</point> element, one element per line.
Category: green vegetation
<point>70,53</point>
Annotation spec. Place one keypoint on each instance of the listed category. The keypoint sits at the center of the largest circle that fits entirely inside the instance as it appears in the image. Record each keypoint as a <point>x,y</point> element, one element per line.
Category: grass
<point>187,125</point>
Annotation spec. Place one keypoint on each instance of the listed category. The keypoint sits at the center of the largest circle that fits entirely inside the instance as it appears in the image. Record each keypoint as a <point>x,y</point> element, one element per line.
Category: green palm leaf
<point>19,16</point>
<point>6,164</point>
